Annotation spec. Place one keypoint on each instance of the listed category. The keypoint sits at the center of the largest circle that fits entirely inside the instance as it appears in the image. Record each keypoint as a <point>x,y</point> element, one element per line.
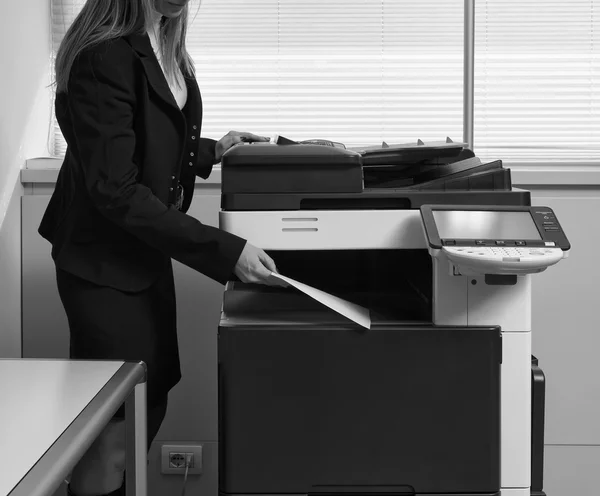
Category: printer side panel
<point>515,410</point>
<point>509,306</point>
<point>469,300</point>
<point>461,300</point>
<point>450,294</point>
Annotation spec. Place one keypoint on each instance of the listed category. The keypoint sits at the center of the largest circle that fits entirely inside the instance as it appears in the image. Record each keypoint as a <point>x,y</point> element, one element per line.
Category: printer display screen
<point>475,224</point>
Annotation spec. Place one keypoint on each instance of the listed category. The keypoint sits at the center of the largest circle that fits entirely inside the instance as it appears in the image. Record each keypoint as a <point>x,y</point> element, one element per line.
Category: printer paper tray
<point>325,318</point>
<point>255,305</point>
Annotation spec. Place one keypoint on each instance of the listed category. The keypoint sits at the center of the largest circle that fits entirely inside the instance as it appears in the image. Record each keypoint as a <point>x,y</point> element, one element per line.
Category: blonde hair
<point>103,20</point>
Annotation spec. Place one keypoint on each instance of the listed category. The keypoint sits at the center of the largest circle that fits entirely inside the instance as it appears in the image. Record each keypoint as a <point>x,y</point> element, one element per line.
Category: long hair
<point>103,20</point>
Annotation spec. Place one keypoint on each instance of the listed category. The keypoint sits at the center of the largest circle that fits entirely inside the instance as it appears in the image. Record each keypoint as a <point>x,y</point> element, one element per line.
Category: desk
<point>52,410</point>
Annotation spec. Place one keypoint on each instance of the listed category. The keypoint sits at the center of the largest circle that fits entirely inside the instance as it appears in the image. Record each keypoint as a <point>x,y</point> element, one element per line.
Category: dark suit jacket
<point>111,219</point>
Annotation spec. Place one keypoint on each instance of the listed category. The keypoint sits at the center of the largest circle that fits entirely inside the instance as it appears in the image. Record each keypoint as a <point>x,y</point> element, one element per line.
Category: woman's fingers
<point>253,137</point>
<point>245,136</point>
<point>268,262</point>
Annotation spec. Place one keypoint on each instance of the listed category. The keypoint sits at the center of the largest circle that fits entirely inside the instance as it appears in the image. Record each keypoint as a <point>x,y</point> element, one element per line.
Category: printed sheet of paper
<point>354,312</point>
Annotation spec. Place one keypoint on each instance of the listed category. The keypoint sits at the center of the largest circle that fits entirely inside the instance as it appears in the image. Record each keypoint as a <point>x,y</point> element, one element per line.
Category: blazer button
<point>172,177</point>
<point>191,154</point>
<point>191,163</point>
<point>170,189</point>
<point>195,127</point>
<point>193,137</point>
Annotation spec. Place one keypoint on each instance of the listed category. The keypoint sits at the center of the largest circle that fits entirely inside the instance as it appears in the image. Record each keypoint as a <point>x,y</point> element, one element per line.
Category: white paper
<point>354,312</point>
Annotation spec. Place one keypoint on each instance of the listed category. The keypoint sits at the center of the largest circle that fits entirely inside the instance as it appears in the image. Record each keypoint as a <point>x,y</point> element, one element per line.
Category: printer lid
<point>283,156</point>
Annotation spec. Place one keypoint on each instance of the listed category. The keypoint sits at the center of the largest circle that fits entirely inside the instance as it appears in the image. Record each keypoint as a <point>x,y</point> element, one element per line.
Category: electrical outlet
<point>178,460</point>
<point>174,456</point>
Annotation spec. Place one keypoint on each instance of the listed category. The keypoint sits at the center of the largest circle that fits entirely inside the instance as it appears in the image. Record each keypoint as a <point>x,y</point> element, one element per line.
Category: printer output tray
<point>384,199</point>
<point>327,408</point>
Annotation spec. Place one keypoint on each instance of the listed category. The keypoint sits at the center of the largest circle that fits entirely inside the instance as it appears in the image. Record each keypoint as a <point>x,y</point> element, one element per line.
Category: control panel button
<point>449,242</point>
<point>549,228</point>
<point>480,243</point>
<point>520,243</point>
<point>500,243</point>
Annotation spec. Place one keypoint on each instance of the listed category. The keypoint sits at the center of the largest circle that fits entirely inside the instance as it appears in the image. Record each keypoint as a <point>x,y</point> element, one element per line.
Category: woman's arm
<point>206,157</point>
<point>102,103</point>
<point>211,151</point>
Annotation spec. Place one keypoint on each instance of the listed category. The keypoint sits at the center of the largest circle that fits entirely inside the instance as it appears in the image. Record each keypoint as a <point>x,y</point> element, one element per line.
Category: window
<point>537,80</point>
<point>354,71</point>
<point>363,71</point>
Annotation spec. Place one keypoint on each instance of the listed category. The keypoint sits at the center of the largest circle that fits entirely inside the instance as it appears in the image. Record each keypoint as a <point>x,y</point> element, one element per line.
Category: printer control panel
<point>507,254</point>
<point>504,260</point>
<point>495,239</point>
<point>545,218</point>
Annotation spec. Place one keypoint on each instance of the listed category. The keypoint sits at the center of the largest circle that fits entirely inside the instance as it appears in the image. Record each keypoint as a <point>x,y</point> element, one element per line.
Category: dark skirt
<point>109,324</point>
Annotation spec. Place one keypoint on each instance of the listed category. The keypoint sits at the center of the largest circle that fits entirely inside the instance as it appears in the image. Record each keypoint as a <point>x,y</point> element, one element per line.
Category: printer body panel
<point>327,229</point>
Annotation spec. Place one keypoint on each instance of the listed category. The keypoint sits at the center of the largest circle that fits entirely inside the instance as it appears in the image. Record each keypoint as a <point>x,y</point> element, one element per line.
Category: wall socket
<point>173,458</point>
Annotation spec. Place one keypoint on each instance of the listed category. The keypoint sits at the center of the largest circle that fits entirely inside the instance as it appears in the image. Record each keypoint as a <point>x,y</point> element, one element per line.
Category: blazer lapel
<point>141,44</point>
<point>194,101</point>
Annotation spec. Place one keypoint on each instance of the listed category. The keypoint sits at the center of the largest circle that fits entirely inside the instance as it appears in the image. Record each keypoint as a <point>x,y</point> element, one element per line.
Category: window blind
<point>354,71</point>
<point>62,14</point>
<point>363,71</point>
<point>537,80</point>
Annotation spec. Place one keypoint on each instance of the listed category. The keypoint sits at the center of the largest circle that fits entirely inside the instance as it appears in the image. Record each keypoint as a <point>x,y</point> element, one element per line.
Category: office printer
<point>441,395</point>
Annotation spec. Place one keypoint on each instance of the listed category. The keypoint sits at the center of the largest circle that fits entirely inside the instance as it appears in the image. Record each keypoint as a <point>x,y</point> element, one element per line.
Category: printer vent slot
<point>299,229</point>
<point>298,220</point>
<point>355,203</point>
<point>360,490</point>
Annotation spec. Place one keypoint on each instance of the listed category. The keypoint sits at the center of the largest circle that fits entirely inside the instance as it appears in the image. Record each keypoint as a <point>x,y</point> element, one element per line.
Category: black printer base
<point>329,410</point>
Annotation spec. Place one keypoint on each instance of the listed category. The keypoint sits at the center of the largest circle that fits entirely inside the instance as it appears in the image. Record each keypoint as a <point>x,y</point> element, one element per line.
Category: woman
<point>129,107</point>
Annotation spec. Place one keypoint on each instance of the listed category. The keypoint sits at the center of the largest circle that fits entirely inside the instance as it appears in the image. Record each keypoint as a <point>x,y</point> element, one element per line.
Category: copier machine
<point>441,395</point>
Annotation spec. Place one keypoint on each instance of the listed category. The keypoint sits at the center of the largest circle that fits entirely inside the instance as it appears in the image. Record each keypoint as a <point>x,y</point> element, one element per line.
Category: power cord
<point>188,462</point>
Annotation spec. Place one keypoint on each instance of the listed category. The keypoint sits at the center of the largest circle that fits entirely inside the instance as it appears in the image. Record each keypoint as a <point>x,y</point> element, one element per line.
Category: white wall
<point>24,117</point>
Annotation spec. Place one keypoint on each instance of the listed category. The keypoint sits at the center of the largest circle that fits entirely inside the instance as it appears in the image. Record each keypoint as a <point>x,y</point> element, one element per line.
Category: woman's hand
<point>255,266</point>
<point>233,138</point>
